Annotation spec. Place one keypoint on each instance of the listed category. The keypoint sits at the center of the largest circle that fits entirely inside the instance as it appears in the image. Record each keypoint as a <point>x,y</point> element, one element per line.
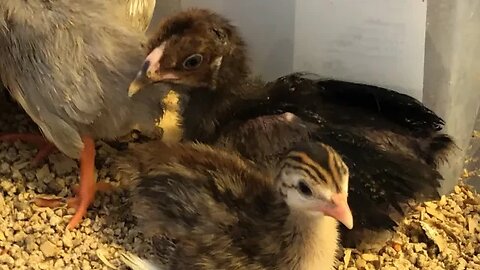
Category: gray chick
<point>68,63</point>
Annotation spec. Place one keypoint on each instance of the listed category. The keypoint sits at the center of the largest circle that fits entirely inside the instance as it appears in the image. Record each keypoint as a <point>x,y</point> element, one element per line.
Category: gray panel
<point>473,158</point>
<point>452,82</point>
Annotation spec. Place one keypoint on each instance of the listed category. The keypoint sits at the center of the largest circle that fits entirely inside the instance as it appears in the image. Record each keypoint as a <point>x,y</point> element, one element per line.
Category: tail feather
<point>437,149</point>
<point>399,108</point>
<point>321,101</point>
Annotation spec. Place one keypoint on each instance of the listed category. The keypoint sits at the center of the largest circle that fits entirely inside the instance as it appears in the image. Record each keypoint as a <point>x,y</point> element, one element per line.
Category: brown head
<point>196,48</point>
<point>313,179</point>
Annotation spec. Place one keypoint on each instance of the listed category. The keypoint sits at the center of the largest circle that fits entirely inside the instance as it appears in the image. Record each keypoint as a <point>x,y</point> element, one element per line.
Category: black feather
<point>396,107</point>
<point>355,119</point>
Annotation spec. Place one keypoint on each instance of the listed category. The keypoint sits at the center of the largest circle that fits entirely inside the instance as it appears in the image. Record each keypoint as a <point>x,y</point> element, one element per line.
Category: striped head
<point>314,178</point>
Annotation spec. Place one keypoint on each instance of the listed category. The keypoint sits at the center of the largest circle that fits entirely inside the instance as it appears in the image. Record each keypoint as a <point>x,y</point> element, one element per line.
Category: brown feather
<point>391,142</point>
<point>222,210</point>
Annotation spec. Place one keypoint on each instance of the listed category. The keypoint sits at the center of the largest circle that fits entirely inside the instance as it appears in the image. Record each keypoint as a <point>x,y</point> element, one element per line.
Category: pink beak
<point>150,72</point>
<point>339,210</point>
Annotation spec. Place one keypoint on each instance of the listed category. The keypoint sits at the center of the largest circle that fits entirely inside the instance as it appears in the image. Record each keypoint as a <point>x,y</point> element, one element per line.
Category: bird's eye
<point>304,189</point>
<point>193,61</point>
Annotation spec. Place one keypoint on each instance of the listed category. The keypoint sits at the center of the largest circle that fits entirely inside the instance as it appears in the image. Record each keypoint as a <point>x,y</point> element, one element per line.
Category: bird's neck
<point>314,243</point>
<point>205,108</point>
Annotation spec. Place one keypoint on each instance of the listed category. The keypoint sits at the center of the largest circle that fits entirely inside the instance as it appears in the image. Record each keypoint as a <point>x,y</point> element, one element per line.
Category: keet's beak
<point>140,81</point>
<point>145,77</point>
<point>340,210</point>
<point>151,72</point>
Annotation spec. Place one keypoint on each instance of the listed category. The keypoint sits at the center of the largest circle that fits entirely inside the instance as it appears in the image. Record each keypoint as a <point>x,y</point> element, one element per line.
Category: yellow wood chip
<point>430,205</point>
<point>434,236</point>
<point>347,256</point>
<point>472,225</point>
<point>369,257</point>
<point>435,213</point>
<point>101,256</point>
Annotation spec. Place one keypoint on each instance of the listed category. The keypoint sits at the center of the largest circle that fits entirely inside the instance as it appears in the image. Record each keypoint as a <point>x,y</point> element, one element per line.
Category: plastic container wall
<point>452,73</point>
<point>473,158</point>
<point>438,65</point>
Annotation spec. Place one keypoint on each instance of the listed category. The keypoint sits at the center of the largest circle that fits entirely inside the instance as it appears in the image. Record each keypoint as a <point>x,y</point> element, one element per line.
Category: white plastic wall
<point>426,50</point>
<point>452,72</point>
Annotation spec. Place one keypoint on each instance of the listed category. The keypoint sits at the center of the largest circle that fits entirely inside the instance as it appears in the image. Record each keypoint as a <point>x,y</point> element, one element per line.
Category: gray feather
<point>69,63</point>
<point>140,12</point>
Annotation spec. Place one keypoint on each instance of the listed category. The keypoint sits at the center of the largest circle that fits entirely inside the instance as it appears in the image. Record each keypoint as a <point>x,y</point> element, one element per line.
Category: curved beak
<point>148,74</point>
<point>140,81</point>
<point>340,210</point>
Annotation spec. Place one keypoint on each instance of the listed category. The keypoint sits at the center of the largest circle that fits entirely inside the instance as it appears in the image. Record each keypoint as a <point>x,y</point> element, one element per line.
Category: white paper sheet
<point>379,42</point>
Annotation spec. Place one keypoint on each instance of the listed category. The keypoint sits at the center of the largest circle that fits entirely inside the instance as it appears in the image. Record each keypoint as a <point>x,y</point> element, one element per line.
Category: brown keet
<point>201,55</point>
<point>391,142</point>
<point>226,213</point>
<point>67,64</point>
<point>193,49</point>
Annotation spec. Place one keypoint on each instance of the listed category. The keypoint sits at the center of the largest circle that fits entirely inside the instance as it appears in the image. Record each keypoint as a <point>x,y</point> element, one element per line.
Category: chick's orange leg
<point>45,147</point>
<point>87,189</point>
<point>86,192</point>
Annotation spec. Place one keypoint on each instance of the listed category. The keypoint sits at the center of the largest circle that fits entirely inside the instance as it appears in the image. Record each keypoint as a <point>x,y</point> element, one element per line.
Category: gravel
<point>442,234</point>
<point>32,237</point>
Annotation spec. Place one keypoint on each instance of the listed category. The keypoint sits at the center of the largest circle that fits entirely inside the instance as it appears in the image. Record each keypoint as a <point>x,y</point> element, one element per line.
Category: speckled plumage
<point>391,159</point>
<point>391,142</point>
<point>68,64</point>
<point>223,211</point>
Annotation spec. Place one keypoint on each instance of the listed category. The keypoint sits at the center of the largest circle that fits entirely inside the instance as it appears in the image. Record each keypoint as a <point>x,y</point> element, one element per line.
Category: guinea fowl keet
<point>391,142</point>
<point>225,213</point>
<point>66,63</point>
<point>202,56</point>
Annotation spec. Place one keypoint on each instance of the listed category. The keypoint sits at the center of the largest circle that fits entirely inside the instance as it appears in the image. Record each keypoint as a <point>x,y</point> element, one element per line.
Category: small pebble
<point>42,173</point>
<point>4,168</point>
<point>62,164</point>
<point>7,259</point>
<point>55,220</point>
<point>410,247</point>
<point>59,264</point>
<point>49,249</point>
<point>34,236</point>
<point>360,263</point>
<point>67,239</point>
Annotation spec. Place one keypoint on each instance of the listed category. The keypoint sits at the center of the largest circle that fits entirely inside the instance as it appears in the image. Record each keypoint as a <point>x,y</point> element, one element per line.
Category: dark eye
<point>304,189</point>
<point>193,61</point>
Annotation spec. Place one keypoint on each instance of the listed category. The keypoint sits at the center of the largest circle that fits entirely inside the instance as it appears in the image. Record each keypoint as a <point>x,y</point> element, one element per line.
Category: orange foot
<point>79,202</point>
<point>45,147</point>
<point>88,187</point>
